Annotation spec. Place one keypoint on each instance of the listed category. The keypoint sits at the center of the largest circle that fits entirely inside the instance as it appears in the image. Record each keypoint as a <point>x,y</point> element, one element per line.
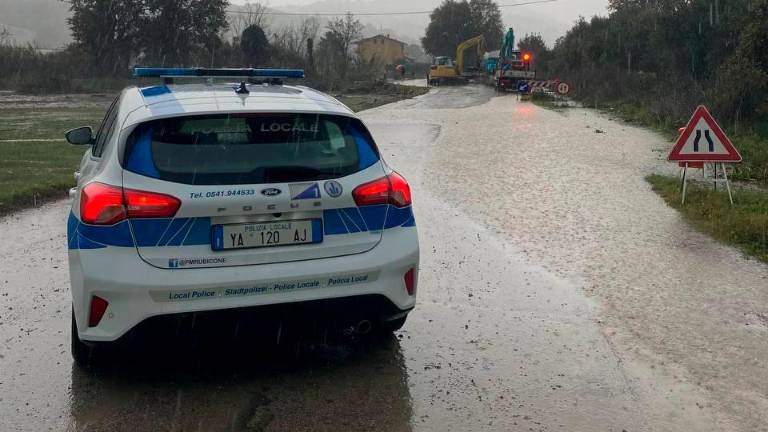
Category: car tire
<point>82,353</point>
<point>394,325</point>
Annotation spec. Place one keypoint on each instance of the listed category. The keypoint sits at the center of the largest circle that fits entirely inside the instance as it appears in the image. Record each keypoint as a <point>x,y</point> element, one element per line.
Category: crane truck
<point>510,66</point>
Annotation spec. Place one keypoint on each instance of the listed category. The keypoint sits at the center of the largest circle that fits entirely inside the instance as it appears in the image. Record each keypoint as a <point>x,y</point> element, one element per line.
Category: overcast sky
<point>562,10</point>
<point>551,20</point>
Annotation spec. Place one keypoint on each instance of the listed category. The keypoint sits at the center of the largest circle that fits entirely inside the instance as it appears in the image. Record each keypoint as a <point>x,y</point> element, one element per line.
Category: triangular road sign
<point>703,141</point>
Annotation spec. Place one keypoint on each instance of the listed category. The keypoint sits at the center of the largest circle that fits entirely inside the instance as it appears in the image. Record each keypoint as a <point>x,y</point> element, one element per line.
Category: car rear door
<point>252,188</point>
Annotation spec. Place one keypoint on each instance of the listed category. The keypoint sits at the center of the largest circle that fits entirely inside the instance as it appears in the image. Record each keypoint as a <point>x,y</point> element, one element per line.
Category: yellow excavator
<point>444,69</point>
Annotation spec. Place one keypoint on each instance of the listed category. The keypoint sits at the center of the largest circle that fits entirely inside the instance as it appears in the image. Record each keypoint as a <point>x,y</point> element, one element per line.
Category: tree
<point>456,21</point>
<point>534,44</point>
<point>108,32</point>
<point>486,20</point>
<point>6,37</point>
<point>182,32</point>
<point>254,45</point>
<point>248,15</point>
<point>292,38</point>
<point>449,25</point>
<point>336,43</point>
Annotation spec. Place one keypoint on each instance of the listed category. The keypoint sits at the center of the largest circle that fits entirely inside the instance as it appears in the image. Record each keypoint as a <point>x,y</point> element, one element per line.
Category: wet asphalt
<point>557,292</point>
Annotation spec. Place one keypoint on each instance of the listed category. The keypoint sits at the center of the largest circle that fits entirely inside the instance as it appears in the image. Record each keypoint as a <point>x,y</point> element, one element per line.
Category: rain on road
<point>557,292</point>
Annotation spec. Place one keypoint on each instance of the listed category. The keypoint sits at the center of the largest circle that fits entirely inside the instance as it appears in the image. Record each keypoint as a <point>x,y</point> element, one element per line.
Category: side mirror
<point>80,136</point>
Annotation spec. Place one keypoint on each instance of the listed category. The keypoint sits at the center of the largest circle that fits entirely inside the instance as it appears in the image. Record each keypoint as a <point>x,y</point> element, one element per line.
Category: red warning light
<point>527,57</point>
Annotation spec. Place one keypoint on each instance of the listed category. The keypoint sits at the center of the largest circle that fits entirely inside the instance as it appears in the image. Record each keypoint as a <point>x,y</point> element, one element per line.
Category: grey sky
<point>563,10</point>
<point>549,19</point>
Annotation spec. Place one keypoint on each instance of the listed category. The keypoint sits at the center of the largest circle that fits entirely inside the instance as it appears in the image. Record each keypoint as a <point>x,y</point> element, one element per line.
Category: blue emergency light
<point>144,72</point>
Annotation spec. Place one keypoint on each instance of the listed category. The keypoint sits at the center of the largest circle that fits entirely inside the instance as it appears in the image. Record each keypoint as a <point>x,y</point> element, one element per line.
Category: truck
<point>508,67</point>
<point>445,70</point>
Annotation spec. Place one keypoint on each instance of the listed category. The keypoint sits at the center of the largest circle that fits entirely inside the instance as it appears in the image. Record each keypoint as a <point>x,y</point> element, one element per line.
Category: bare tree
<point>6,37</point>
<point>293,37</point>
<point>250,14</point>
<point>340,35</point>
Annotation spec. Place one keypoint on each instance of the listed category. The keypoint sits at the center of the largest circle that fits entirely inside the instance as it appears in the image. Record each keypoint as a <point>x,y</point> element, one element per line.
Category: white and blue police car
<point>202,195</point>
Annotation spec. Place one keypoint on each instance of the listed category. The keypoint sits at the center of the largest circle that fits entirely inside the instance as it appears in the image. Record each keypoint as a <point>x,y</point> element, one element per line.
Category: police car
<point>199,195</point>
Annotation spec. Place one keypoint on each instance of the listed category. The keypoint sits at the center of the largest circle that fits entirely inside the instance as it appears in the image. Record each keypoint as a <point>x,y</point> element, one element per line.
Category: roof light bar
<point>142,72</point>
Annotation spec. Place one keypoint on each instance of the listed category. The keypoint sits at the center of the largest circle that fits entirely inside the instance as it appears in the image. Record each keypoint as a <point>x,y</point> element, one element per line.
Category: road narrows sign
<point>703,141</point>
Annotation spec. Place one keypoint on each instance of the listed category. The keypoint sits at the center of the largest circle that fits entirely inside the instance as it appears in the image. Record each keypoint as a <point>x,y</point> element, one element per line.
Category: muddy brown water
<point>557,292</point>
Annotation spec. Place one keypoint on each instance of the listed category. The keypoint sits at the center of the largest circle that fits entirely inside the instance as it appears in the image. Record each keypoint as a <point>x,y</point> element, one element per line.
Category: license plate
<point>266,234</point>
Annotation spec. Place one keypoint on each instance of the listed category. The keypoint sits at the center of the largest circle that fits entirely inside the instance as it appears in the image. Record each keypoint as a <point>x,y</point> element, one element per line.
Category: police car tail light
<point>98,307</point>
<point>392,189</point>
<point>149,205</point>
<point>102,204</point>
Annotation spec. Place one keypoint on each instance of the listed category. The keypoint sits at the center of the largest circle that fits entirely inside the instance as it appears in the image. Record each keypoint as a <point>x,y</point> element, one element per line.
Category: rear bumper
<point>137,291</point>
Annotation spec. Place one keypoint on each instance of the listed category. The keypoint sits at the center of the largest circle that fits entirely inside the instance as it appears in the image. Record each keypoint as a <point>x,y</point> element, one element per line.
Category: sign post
<point>704,142</point>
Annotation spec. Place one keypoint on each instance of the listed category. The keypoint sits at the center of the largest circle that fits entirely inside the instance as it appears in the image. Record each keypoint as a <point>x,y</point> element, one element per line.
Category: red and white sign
<point>563,88</point>
<point>703,141</point>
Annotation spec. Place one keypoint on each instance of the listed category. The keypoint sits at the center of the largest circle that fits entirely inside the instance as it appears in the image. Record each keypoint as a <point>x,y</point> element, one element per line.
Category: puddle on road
<point>299,386</point>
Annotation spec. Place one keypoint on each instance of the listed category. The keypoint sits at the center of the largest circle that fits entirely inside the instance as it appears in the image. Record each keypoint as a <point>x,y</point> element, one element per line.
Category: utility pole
<point>311,56</point>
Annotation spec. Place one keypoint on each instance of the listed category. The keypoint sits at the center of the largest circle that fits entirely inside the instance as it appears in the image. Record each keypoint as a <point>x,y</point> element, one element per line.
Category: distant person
<point>400,68</point>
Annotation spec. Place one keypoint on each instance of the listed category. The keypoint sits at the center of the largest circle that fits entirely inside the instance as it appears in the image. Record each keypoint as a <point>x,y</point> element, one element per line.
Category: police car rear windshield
<point>250,148</point>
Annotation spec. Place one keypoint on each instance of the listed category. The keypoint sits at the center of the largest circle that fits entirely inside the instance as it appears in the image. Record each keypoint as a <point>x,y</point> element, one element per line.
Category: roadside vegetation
<point>744,226</point>
<point>653,61</point>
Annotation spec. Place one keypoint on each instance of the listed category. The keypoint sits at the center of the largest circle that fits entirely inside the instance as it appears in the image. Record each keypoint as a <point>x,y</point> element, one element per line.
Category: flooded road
<point>557,292</point>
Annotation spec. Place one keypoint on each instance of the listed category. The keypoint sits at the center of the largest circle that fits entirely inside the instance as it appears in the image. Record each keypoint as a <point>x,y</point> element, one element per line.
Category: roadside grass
<point>744,226</point>
<point>550,102</point>
<point>366,98</point>
<point>46,123</point>
<point>32,172</point>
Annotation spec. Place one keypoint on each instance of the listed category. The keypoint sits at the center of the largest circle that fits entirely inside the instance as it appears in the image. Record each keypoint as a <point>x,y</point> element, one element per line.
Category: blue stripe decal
<point>197,231</point>
<point>148,231</point>
<point>118,234</point>
<point>173,229</point>
<point>200,233</point>
<point>352,227</point>
<point>397,217</point>
<point>84,243</point>
<point>332,223</point>
<point>354,215</point>
<point>181,234</point>
<point>369,218</point>
<point>374,216</point>
<point>72,223</point>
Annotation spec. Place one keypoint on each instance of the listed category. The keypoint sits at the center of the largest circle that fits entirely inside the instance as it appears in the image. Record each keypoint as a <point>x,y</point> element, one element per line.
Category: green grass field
<point>744,226</point>
<point>34,171</point>
<point>36,164</point>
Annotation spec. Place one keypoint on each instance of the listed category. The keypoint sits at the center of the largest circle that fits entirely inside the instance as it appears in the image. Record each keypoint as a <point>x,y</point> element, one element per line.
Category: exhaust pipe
<point>363,327</point>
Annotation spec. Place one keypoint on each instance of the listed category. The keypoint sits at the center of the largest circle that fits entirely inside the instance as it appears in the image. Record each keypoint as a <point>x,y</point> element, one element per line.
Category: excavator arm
<point>478,42</point>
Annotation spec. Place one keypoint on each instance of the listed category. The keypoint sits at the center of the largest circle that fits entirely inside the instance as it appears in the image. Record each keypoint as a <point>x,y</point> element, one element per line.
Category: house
<point>382,47</point>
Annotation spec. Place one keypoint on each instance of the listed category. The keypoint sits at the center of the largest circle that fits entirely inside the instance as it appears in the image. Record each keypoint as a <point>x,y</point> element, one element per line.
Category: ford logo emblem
<point>271,192</point>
